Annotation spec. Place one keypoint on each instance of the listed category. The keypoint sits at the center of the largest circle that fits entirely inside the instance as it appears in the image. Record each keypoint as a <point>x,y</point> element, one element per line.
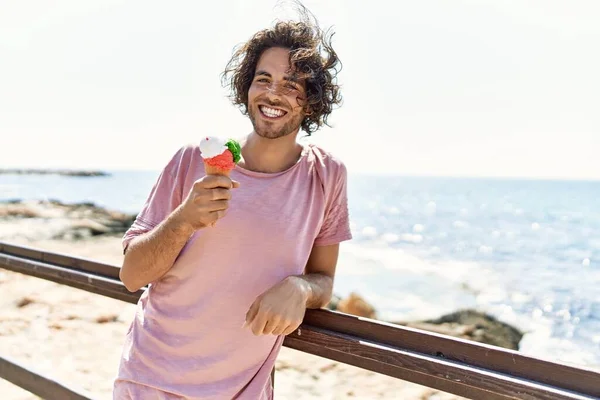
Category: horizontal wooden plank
<point>436,372</point>
<point>64,260</point>
<point>565,381</point>
<point>465,351</point>
<point>75,278</point>
<point>35,383</point>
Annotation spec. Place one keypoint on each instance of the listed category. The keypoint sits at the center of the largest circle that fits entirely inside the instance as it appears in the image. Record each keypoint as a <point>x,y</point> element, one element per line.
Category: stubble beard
<point>267,129</point>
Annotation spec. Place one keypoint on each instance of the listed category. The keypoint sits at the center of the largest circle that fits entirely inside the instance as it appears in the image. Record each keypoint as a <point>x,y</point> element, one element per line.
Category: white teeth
<point>271,112</point>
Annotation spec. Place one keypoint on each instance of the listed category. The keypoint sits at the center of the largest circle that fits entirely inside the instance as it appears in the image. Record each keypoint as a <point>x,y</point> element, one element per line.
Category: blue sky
<point>466,88</point>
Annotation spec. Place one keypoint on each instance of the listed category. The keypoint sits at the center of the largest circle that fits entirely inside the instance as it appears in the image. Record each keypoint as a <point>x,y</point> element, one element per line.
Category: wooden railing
<point>457,366</point>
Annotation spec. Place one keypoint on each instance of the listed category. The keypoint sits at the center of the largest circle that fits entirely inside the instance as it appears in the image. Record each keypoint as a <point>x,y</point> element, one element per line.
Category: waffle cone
<point>212,170</point>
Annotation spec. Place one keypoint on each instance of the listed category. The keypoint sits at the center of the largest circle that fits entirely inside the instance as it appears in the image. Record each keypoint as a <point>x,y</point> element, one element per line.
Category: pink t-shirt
<point>186,340</point>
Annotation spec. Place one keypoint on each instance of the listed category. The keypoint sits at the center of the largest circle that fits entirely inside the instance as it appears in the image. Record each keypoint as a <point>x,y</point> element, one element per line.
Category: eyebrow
<point>285,78</point>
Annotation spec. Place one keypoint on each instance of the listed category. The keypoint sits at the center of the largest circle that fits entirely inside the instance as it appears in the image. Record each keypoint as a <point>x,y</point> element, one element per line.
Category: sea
<point>524,251</point>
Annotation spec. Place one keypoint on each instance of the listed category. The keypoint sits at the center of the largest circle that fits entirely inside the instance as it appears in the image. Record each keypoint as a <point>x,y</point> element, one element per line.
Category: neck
<point>269,155</point>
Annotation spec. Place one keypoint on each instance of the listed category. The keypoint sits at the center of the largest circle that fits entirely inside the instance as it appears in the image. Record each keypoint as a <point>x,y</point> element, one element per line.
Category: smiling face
<point>275,99</point>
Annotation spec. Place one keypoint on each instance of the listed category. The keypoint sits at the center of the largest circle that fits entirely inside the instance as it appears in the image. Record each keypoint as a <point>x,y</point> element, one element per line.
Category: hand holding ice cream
<point>220,157</point>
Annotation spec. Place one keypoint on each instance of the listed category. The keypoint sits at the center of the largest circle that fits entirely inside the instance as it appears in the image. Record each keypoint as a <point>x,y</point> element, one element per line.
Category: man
<point>221,298</point>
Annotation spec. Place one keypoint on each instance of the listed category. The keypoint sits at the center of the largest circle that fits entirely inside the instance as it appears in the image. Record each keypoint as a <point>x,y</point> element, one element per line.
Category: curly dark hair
<point>311,57</point>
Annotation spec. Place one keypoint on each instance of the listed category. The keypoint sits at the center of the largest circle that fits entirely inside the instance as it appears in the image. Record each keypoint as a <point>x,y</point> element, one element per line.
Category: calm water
<point>528,252</point>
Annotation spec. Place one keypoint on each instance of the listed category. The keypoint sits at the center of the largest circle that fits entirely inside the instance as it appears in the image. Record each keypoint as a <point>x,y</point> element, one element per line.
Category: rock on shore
<point>465,324</point>
<point>39,220</point>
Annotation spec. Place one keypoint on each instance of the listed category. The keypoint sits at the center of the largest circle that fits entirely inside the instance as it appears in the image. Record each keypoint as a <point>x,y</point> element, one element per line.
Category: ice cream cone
<point>213,170</point>
<point>219,156</point>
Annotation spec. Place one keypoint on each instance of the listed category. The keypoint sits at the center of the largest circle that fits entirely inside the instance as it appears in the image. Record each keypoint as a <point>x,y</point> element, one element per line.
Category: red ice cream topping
<point>223,160</point>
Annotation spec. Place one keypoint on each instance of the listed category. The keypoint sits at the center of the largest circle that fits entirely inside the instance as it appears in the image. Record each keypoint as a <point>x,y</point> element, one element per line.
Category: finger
<point>217,205</point>
<point>214,216</point>
<point>216,181</point>
<point>251,314</point>
<point>236,184</point>
<point>289,329</point>
<point>199,184</point>
<point>272,324</point>
<point>220,194</point>
<point>259,323</point>
<point>204,196</point>
<point>280,328</point>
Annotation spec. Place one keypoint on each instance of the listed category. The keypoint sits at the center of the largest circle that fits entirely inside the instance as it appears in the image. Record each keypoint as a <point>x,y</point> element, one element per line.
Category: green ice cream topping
<point>235,149</point>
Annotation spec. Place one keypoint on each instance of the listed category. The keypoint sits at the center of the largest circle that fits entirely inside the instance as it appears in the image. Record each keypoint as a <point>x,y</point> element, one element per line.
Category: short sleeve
<point>164,197</point>
<point>336,223</point>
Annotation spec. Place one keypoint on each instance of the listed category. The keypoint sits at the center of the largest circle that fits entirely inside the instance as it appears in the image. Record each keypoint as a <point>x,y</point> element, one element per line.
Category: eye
<point>262,80</point>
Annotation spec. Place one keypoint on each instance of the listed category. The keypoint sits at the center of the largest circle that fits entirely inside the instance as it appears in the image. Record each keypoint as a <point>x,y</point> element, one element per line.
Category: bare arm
<point>280,310</point>
<point>318,275</point>
<point>152,254</point>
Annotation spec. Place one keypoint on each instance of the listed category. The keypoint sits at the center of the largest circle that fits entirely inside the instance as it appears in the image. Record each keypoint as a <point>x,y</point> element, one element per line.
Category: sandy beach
<point>75,337</point>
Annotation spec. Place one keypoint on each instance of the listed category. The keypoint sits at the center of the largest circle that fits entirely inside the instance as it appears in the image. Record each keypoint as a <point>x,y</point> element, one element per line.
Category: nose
<point>273,95</point>
<point>275,89</point>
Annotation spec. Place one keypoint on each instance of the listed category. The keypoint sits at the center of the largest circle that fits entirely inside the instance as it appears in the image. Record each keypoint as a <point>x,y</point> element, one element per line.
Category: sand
<point>75,337</point>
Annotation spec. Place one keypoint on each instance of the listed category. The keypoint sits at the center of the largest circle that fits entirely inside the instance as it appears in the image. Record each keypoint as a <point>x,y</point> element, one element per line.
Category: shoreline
<point>60,172</point>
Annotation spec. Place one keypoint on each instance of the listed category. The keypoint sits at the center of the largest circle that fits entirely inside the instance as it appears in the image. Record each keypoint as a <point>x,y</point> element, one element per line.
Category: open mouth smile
<point>271,113</point>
